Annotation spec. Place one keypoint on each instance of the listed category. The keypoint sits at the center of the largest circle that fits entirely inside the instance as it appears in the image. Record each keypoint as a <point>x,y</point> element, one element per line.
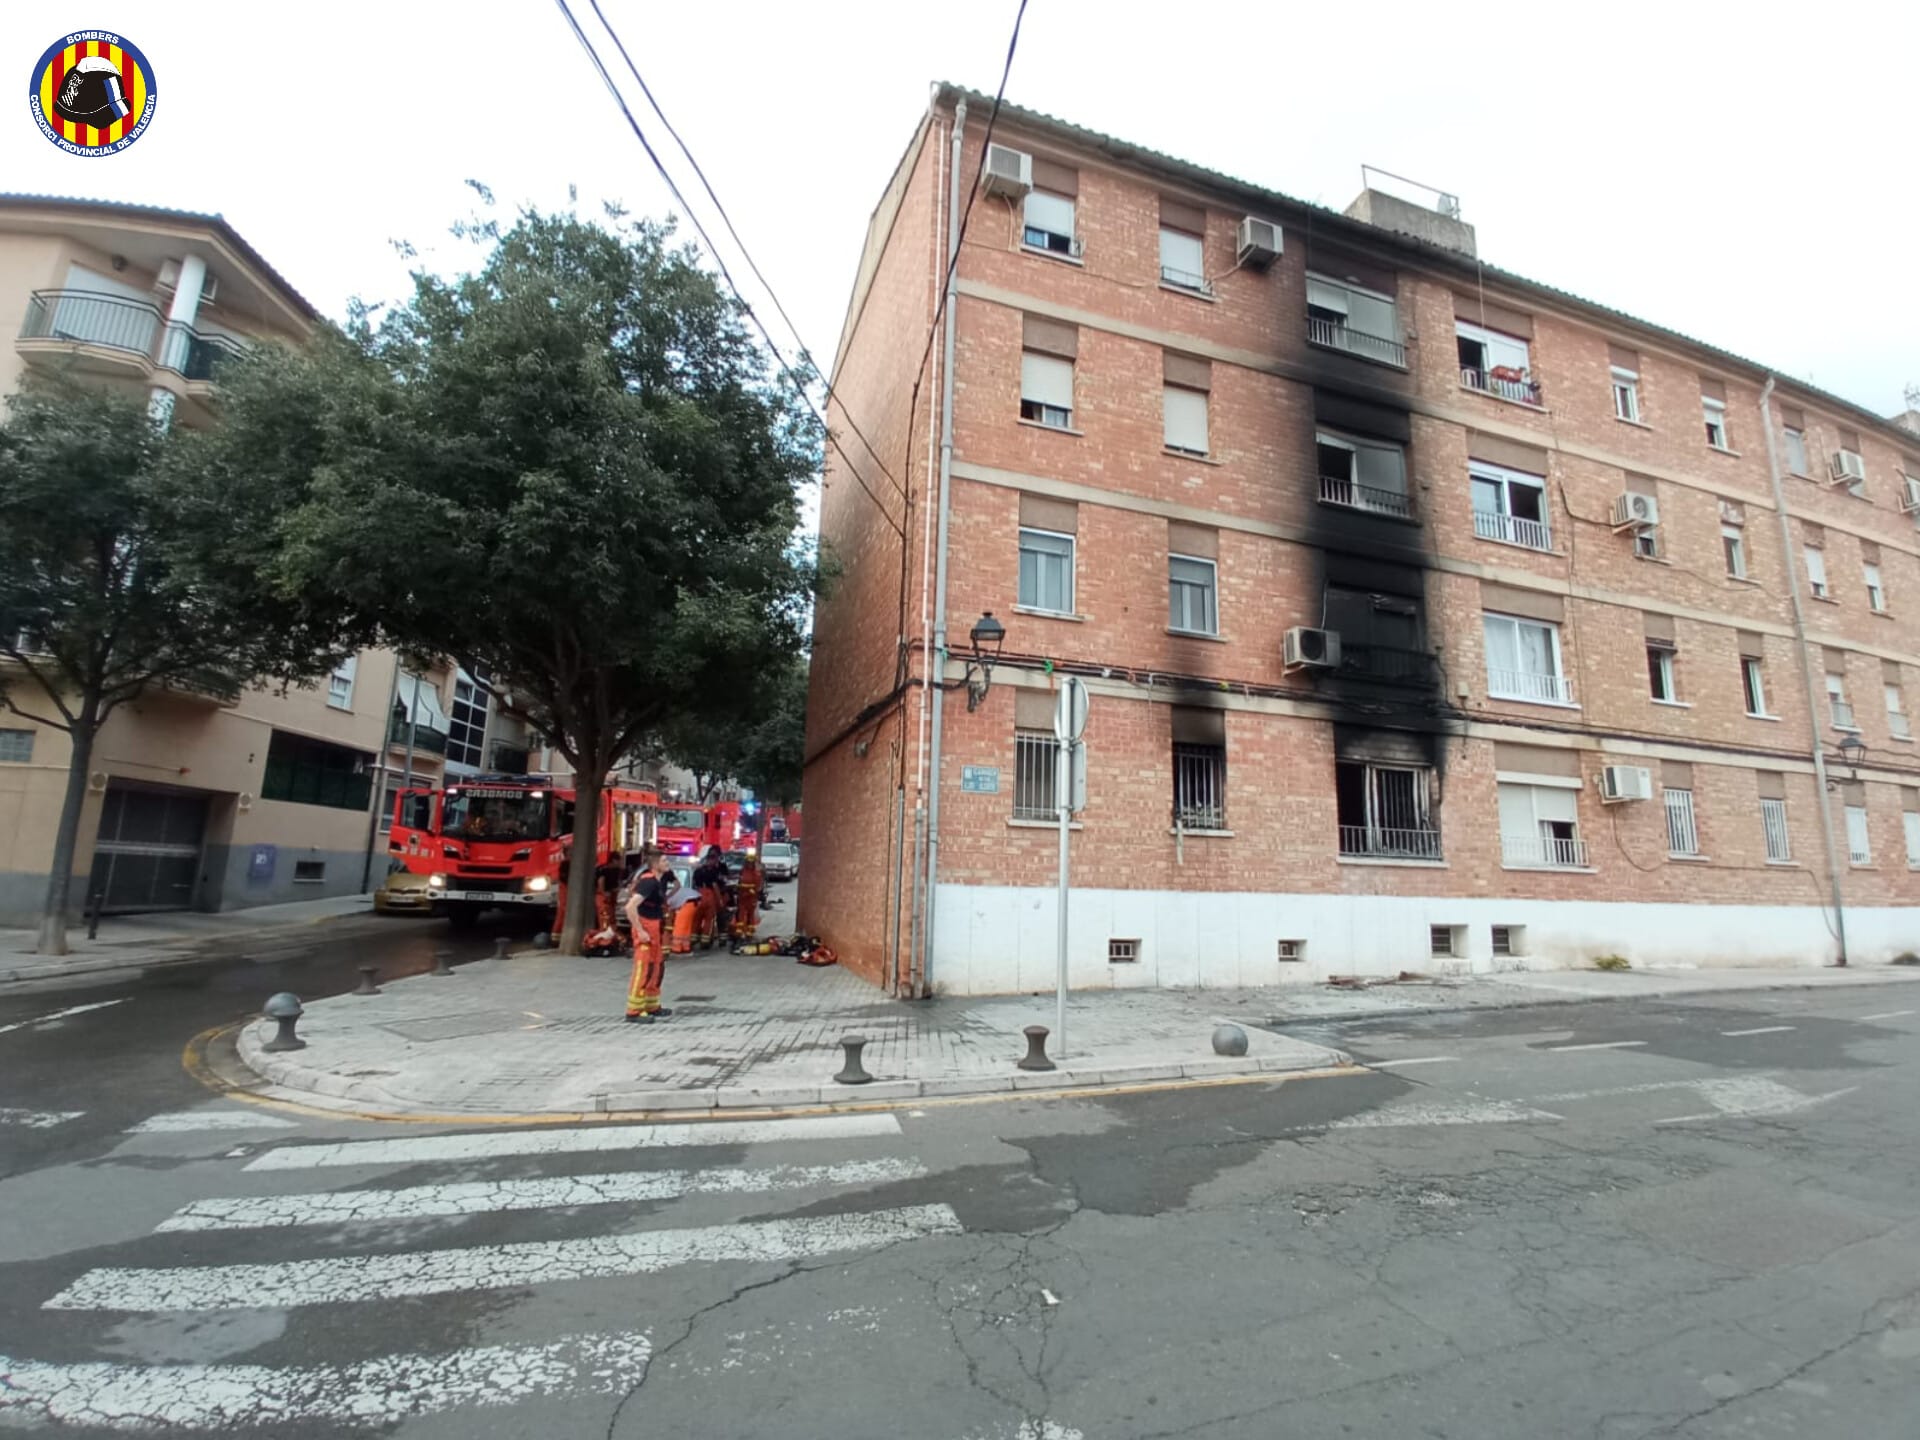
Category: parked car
<point>402,892</point>
<point>735,861</point>
<point>780,859</point>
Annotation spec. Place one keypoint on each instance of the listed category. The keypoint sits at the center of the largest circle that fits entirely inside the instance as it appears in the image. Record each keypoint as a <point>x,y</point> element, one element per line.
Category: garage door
<point>147,856</point>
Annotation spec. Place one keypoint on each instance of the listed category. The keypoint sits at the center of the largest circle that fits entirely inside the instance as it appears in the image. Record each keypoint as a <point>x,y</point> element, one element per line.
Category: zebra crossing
<point>338,1253</point>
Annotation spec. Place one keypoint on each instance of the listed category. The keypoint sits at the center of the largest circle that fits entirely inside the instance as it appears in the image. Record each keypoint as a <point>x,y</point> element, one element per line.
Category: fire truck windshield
<point>683,819</point>
<point>480,813</point>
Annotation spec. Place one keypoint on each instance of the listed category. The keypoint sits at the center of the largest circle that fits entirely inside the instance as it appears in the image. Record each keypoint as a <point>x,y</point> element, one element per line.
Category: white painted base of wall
<point>999,939</point>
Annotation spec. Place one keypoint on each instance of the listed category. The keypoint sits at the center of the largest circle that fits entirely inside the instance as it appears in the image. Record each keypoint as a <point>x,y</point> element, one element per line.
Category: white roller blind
<point>1556,804</point>
<point>1182,252</point>
<point>1382,468</point>
<point>1516,812</point>
<point>1186,418</point>
<point>1322,296</point>
<point>1046,380</point>
<point>1816,566</point>
<point>1052,213</point>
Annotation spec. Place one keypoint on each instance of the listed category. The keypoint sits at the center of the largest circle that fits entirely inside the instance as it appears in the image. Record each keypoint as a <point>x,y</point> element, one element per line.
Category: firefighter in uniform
<point>746,914</point>
<point>710,880</point>
<point>646,909</point>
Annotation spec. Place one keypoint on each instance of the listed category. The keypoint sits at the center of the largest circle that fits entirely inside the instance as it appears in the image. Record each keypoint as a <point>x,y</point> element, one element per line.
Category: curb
<point>289,1072</point>
<point>202,953</point>
<point>1524,1000</point>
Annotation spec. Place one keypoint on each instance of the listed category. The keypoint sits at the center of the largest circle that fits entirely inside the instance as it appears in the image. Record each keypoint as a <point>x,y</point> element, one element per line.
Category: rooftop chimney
<point>1434,218</point>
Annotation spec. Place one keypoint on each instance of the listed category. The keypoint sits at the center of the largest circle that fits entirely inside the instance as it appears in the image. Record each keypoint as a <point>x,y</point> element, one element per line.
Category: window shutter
<point>1495,450</point>
<point>1364,419</point>
<point>1192,726</point>
<point>1186,419</point>
<point>1046,380</point>
<point>1869,552</point>
<point>1890,671</point>
<point>1676,774</point>
<point>1835,660</point>
<point>1033,709</point>
<point>1179,215</point>
<point>1850,440</point>
<point>1186,371</point>
<point>1793,417</point>
<point>1713,390</point>
<point>1659,628</point>
<point>1509,758</point>
<point>1533,604</point>
<point>1052,175</point>
<point>1753,645</point>
<point>1772,784</point>
<point>1621,358</point>
<point>1909,800</point>
<point>1854,792</point>
<point>1340,267</point>
<point>1200,541</point>
<point>1492,316</point>
<point>1050,337</point>
<point>1041,512</point>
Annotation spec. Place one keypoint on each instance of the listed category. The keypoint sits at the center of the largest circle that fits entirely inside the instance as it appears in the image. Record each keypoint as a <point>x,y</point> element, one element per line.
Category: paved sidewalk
<point>542,1034</point>
<point>140,941</point>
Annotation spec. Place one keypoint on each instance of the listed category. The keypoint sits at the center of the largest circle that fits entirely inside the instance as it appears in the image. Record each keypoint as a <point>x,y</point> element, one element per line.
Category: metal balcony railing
<point>1842,714</point>
<point>1339,490</point>
<point>425,737</point>
<point>1387,662</point>
<point>1544,852</point>
<point>1336,336</point>
<point>1491,525</point>
<point>1528,685</point>
<point>1508,384</point>
<point>134,327</point>
<point>1184,280</point>
<point>1382,843</point>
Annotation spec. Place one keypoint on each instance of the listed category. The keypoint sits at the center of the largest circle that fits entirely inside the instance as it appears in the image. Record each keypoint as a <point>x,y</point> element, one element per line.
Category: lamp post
<point>1852,750</point>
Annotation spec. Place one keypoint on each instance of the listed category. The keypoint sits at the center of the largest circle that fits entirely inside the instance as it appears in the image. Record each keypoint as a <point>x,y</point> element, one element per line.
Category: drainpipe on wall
<point>939,656</point>
<point>1825,796</point>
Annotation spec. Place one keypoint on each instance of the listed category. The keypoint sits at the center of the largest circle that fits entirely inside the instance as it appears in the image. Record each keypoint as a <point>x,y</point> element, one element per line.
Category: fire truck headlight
<point>537,883</point>
<point>436,882</point>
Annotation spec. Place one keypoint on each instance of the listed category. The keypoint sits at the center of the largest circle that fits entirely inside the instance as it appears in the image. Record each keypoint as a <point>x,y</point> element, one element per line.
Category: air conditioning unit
<point>1846,468</point>
<point>1910,502</point>
<point>1635,511</point>
<point>169,279</point>
<point>1009,172</point>
<point>1310,649</point>
<point>1625,782</point>
<point>1259,242</point>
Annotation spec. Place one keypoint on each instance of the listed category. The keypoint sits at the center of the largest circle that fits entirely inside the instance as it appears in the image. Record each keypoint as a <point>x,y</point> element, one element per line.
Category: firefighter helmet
<point>92,94</point>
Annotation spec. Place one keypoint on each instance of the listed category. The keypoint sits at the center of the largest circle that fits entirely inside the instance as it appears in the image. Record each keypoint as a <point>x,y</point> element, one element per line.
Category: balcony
<point>1543,852</point>
<point>425,737</point>
<point>1504,381</point>
<point>1184,280</point>
<point>115,335</point>
<point>1333,335</point>
<point>1529,685</point>
<point>1512,530</point>
<point>1339,490</point>
<point>1388,664</point>
<point>1373,842</point>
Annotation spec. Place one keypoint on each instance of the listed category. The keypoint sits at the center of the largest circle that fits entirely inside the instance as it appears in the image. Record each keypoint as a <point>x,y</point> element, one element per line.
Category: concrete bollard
<point>853,1072</point>
<point>441,955</point>
<point>367,987</point>
<point>1036,1056</point>
<point>500,947</point>
<point>285,1010</point>
<point>1229,1040</point>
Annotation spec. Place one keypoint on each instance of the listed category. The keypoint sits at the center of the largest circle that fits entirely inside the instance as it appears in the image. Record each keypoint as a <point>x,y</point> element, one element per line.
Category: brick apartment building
<point>1433,617</point>
<point>196,803</point>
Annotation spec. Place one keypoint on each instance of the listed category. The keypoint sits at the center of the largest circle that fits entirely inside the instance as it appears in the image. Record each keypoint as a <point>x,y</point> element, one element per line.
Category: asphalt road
<point>1606,1220</point>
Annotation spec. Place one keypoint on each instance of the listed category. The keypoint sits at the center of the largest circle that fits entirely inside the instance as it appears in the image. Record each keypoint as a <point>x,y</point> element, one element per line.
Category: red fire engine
<point>680,828</point>
<point>504,839</point>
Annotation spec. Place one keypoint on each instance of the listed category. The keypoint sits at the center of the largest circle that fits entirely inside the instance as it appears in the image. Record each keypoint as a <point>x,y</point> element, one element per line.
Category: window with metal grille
<point>1383,811</point>
<point>1683,835</point>
<point>1859,846</point>
<point>1773,819</point>
<point>1200,786</point>
<point>1290,950</point>
<point>1123,952</point>
<point>1441,940</point>
<point>1046,571</point>
<point>1035,754</point>
<point>1509,940</point>
<point>1193,595</point>
<point>309,872</point>
<point>16,746</point>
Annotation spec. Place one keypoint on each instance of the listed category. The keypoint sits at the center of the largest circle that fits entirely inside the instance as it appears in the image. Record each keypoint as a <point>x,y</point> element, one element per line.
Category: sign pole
<point>1069,782</point>
<point>1065,763</point>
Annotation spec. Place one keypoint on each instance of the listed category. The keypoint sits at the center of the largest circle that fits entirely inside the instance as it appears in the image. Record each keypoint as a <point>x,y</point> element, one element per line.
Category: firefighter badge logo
<point>92,93</point>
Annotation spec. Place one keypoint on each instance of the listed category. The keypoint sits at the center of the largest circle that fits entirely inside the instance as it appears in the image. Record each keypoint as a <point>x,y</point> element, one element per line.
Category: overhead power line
<point>740,244</point>
<point>786,369</point>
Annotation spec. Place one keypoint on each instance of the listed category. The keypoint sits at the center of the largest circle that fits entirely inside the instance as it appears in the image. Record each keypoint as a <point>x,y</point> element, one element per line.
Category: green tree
<point>571,465</point>
<point>102,594</point>
<point>759,744</point>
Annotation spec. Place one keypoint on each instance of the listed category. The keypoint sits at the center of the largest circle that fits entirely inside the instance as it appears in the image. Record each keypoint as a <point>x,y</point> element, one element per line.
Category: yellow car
<point>402,892</point>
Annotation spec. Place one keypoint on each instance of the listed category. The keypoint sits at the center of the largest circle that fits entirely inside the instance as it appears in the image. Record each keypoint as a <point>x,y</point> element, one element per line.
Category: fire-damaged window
<point>1199,769</point>
<point>1381,635</point>
<point>1384,792</point>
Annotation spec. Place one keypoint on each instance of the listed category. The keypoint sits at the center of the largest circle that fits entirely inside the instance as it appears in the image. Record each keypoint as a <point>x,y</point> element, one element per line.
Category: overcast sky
<point>1747,180</point>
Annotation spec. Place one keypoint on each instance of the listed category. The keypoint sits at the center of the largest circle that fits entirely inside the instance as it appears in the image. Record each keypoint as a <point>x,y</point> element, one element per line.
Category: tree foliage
<point>570,466</point>
<point>105,526</point>
<point>759,744</point>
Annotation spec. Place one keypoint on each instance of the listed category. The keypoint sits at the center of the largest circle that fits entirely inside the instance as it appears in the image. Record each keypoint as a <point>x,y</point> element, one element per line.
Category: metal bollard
<point>1036,1056</point>
<point>440,957</point>
<point>542,941</point>
<point>94,903</point>
<point>285,1009</point>
<point>367,987</point>
<point>1229,1040</point>
<point>853,1072</point>
<point>500,948</point>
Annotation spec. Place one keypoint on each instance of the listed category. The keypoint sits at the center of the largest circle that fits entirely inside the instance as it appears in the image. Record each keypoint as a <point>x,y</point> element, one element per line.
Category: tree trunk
<point>583,865</point>
<point>66,838</point>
